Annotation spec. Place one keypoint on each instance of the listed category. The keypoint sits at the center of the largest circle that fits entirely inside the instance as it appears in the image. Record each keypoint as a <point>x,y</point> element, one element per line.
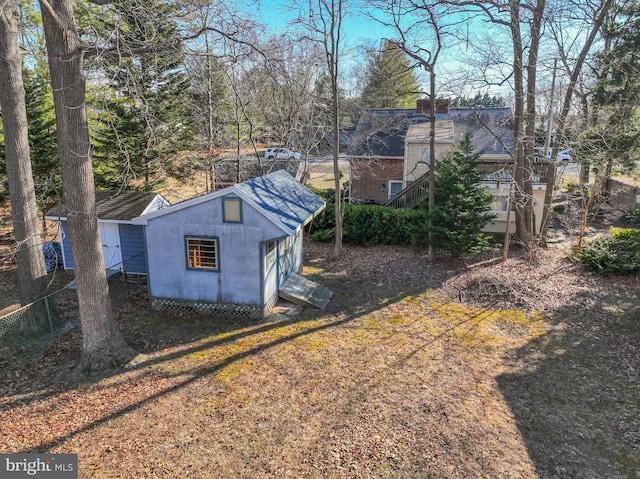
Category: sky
<point>361,31</point>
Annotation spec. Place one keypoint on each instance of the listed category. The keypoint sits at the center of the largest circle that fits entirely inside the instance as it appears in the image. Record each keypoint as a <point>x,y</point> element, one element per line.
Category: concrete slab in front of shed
<point>300,290</point>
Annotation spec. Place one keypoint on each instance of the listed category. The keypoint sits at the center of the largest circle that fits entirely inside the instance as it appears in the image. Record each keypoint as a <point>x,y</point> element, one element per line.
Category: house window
<point>232,210</point>
<point>425,155</point>
<point>500,203</point>
<point>202,253</point>
<point>395,187</point>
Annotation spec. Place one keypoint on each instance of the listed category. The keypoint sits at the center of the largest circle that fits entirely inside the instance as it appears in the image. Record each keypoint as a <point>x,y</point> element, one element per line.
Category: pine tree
<point>461,201</point>
<point>389,81</point>
<point>45,163</point>
<point>481,100</point>
<point>147,122</point>
<point>42,131</point>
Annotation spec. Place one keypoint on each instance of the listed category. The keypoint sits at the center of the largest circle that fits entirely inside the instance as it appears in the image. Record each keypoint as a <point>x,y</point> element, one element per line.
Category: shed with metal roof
<point>229,251</point>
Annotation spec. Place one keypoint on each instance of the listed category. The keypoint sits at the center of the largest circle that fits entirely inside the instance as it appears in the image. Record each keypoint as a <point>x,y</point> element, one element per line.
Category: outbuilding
<point>122,242</point>
<point>229,251</point>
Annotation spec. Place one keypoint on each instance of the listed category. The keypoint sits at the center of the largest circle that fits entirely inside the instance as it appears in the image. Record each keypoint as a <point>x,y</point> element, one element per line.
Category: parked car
<point>564,156</point>
<point>280,154</point>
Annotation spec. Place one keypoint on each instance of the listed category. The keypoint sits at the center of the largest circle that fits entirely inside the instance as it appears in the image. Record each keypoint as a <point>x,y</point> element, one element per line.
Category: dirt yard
<point>460,369</point>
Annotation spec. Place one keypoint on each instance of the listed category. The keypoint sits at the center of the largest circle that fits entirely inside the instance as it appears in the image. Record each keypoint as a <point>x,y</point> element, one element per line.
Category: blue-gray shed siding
<point>133,248</point>
<point>66,245</point>
<point>239,279</point>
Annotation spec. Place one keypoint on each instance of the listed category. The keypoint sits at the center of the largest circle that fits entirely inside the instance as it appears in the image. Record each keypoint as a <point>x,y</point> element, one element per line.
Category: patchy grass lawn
<point>396,378</point>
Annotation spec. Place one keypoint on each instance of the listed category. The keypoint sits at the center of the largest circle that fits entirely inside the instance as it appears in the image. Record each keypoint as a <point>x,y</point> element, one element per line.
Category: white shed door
<point>110,245</point>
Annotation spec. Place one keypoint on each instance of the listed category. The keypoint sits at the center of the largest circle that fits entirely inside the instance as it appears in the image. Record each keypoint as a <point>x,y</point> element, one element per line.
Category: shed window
<point>232,210</point>
<point>202,253</point>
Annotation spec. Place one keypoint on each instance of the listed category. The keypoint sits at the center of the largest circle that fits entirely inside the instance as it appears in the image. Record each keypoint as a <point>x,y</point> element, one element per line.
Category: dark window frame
<point>190,244</point>
<point>224,216</point>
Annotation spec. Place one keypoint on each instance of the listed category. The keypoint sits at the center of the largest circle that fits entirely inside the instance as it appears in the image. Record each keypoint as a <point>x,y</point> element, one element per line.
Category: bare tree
<point>324,25</point>
<point>420,27</point>
<point>102,343</point>
<point>595,18</point>
<point>31,269</point>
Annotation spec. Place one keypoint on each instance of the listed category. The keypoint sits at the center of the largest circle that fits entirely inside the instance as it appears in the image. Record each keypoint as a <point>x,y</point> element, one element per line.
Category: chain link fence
<point>25,332</point>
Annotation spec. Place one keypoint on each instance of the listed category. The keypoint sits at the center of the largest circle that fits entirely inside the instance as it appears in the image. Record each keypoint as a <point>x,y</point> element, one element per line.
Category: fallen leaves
<point>395,379</point>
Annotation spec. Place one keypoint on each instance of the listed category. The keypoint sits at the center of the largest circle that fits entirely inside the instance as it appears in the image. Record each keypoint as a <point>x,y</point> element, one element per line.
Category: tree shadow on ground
<point>358,295</point>
<point>575,395</point>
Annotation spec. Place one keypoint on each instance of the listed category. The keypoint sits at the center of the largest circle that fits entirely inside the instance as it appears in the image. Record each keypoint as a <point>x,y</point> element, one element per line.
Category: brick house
<point>390,152</point>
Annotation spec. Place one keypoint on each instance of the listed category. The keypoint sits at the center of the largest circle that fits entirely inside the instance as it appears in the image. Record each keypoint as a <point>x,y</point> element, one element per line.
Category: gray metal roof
<point>281,197</point>
<point>278,196</point>
<point>113,205</point>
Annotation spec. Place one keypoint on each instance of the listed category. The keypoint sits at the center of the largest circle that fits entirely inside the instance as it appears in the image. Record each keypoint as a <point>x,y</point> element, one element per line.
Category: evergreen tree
<point>45,162</point>
<point>617,96</point>
<point>461,201</point>
<point>481,100</point>
<point>389,80</point>
<point>147,121</point>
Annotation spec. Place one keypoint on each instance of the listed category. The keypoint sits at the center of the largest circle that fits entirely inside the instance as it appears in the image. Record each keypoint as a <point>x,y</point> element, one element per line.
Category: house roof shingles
<point>113,205</point>
<point>382,133</point>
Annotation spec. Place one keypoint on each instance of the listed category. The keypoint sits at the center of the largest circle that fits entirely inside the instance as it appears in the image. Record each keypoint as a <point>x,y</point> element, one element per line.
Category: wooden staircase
<point>412,195</point>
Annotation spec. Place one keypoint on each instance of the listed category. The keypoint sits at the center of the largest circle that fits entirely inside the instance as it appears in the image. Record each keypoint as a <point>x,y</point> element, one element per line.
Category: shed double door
<point>110,240</point>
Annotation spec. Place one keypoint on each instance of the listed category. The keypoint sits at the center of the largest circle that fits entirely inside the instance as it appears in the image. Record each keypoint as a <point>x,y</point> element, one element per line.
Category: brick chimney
<point>423,105</point>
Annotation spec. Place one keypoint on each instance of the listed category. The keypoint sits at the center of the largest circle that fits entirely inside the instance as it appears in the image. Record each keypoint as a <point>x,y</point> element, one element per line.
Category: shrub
<point>368,225</point>
<point>559,209</point>
<point>323,236</point>
<point>326,195</point>
<point>617,254</point>
<point>463,207</point>
<point>632,217</point>
<point>572,186</point>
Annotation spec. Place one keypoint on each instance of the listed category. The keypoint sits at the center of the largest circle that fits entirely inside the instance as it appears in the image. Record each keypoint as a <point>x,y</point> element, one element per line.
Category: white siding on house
<point>499,224</point>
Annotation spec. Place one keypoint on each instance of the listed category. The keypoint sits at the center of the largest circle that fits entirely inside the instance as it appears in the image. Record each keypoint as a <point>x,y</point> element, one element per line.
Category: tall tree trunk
<point>102,344</point>
<point>522,229</point>
<point>432,162</point>
<point>337,250</point>
<point>598,21</point>
<point>332,49</point>
<point>32,273</point>
<point>530,120</point>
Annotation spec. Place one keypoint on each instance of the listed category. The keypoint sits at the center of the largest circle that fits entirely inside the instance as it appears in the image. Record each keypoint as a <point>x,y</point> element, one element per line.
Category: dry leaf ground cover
<point>451,370</point>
